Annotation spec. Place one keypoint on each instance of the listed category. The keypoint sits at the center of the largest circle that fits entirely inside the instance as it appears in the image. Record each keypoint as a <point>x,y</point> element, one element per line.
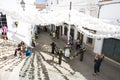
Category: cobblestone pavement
<point>42,65</point>
<point>108,71</point>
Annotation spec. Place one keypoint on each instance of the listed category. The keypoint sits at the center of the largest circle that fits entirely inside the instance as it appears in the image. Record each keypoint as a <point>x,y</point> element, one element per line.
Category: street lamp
<point>22,4</point>
<point>51,3</point>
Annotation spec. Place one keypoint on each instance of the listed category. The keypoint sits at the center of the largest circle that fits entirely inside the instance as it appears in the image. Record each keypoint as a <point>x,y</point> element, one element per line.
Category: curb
<point>112,60</point>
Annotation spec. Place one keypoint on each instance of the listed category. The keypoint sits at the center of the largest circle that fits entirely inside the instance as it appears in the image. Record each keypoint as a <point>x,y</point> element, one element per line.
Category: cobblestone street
<point>42,65</point>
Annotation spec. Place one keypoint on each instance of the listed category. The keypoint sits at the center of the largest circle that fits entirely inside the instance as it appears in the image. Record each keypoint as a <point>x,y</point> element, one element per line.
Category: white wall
<point>98,46</point>
<point>110,13</point>
<point>80,5</point>
<point>75,34</point>
<point>14,12</point>
<point>85,39</point>
<point>20,33</point>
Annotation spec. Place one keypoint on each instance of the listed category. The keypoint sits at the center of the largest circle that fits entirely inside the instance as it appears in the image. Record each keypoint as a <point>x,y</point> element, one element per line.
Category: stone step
<point>7,48</point>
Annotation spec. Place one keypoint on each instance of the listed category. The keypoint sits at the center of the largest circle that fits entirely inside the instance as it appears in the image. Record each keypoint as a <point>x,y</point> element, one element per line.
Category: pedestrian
<point>4,36</point>
<point>101,57</point>
<point>82,51</point>
<point>33,42</point>
<point>60,56</point>
<point>4,32</point>
<point>77,44</point>
<point>23,48</point>
<point>53,34</point>
<point>53,45</point>
<point>67,50</point>
<point>97,63</point>
<point>17,49</point>
<point>57,34</point>
<point>70,40</point>
<point>4,29</point>
<point>45,28</point>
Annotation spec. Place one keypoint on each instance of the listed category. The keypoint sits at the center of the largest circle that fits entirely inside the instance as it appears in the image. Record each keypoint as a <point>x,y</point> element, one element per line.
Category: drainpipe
<point>99,10</point>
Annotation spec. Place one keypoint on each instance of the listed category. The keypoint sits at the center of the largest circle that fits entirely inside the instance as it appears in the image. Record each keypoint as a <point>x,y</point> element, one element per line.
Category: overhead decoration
<point>16,23</point>
<point>58,16</point>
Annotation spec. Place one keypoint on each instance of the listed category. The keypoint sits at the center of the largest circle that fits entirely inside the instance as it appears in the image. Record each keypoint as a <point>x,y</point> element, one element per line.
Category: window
<point>82,10</point>
<point>3,19</point>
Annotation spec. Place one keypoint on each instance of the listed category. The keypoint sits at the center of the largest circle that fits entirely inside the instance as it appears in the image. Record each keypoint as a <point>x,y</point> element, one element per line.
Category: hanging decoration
<point>60,16</point>
<point>16,23</point>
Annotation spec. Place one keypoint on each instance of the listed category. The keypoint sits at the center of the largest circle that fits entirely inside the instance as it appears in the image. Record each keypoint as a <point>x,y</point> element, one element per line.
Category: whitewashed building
<point>109,11</point>
<point>25,29</point>
<point>88,7</point>
<point>13,12</point>
<point>84,6</point>
<point>104,9</point>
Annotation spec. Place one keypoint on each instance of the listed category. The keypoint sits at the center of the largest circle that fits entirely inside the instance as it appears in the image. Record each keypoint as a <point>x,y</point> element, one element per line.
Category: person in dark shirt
<point>97,63</point>
<point>82,51</point>
<point>17,49</point>
<point>53,45</point>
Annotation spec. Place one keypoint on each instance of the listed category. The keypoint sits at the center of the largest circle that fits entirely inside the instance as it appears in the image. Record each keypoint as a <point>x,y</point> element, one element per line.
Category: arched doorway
<point>72,32</point>
<point>57,32</point>
<point>52,27</point>
<point>65,30</point>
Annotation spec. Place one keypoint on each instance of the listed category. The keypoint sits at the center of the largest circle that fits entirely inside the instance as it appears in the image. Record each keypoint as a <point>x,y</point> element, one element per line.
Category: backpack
<point>28,52</point>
